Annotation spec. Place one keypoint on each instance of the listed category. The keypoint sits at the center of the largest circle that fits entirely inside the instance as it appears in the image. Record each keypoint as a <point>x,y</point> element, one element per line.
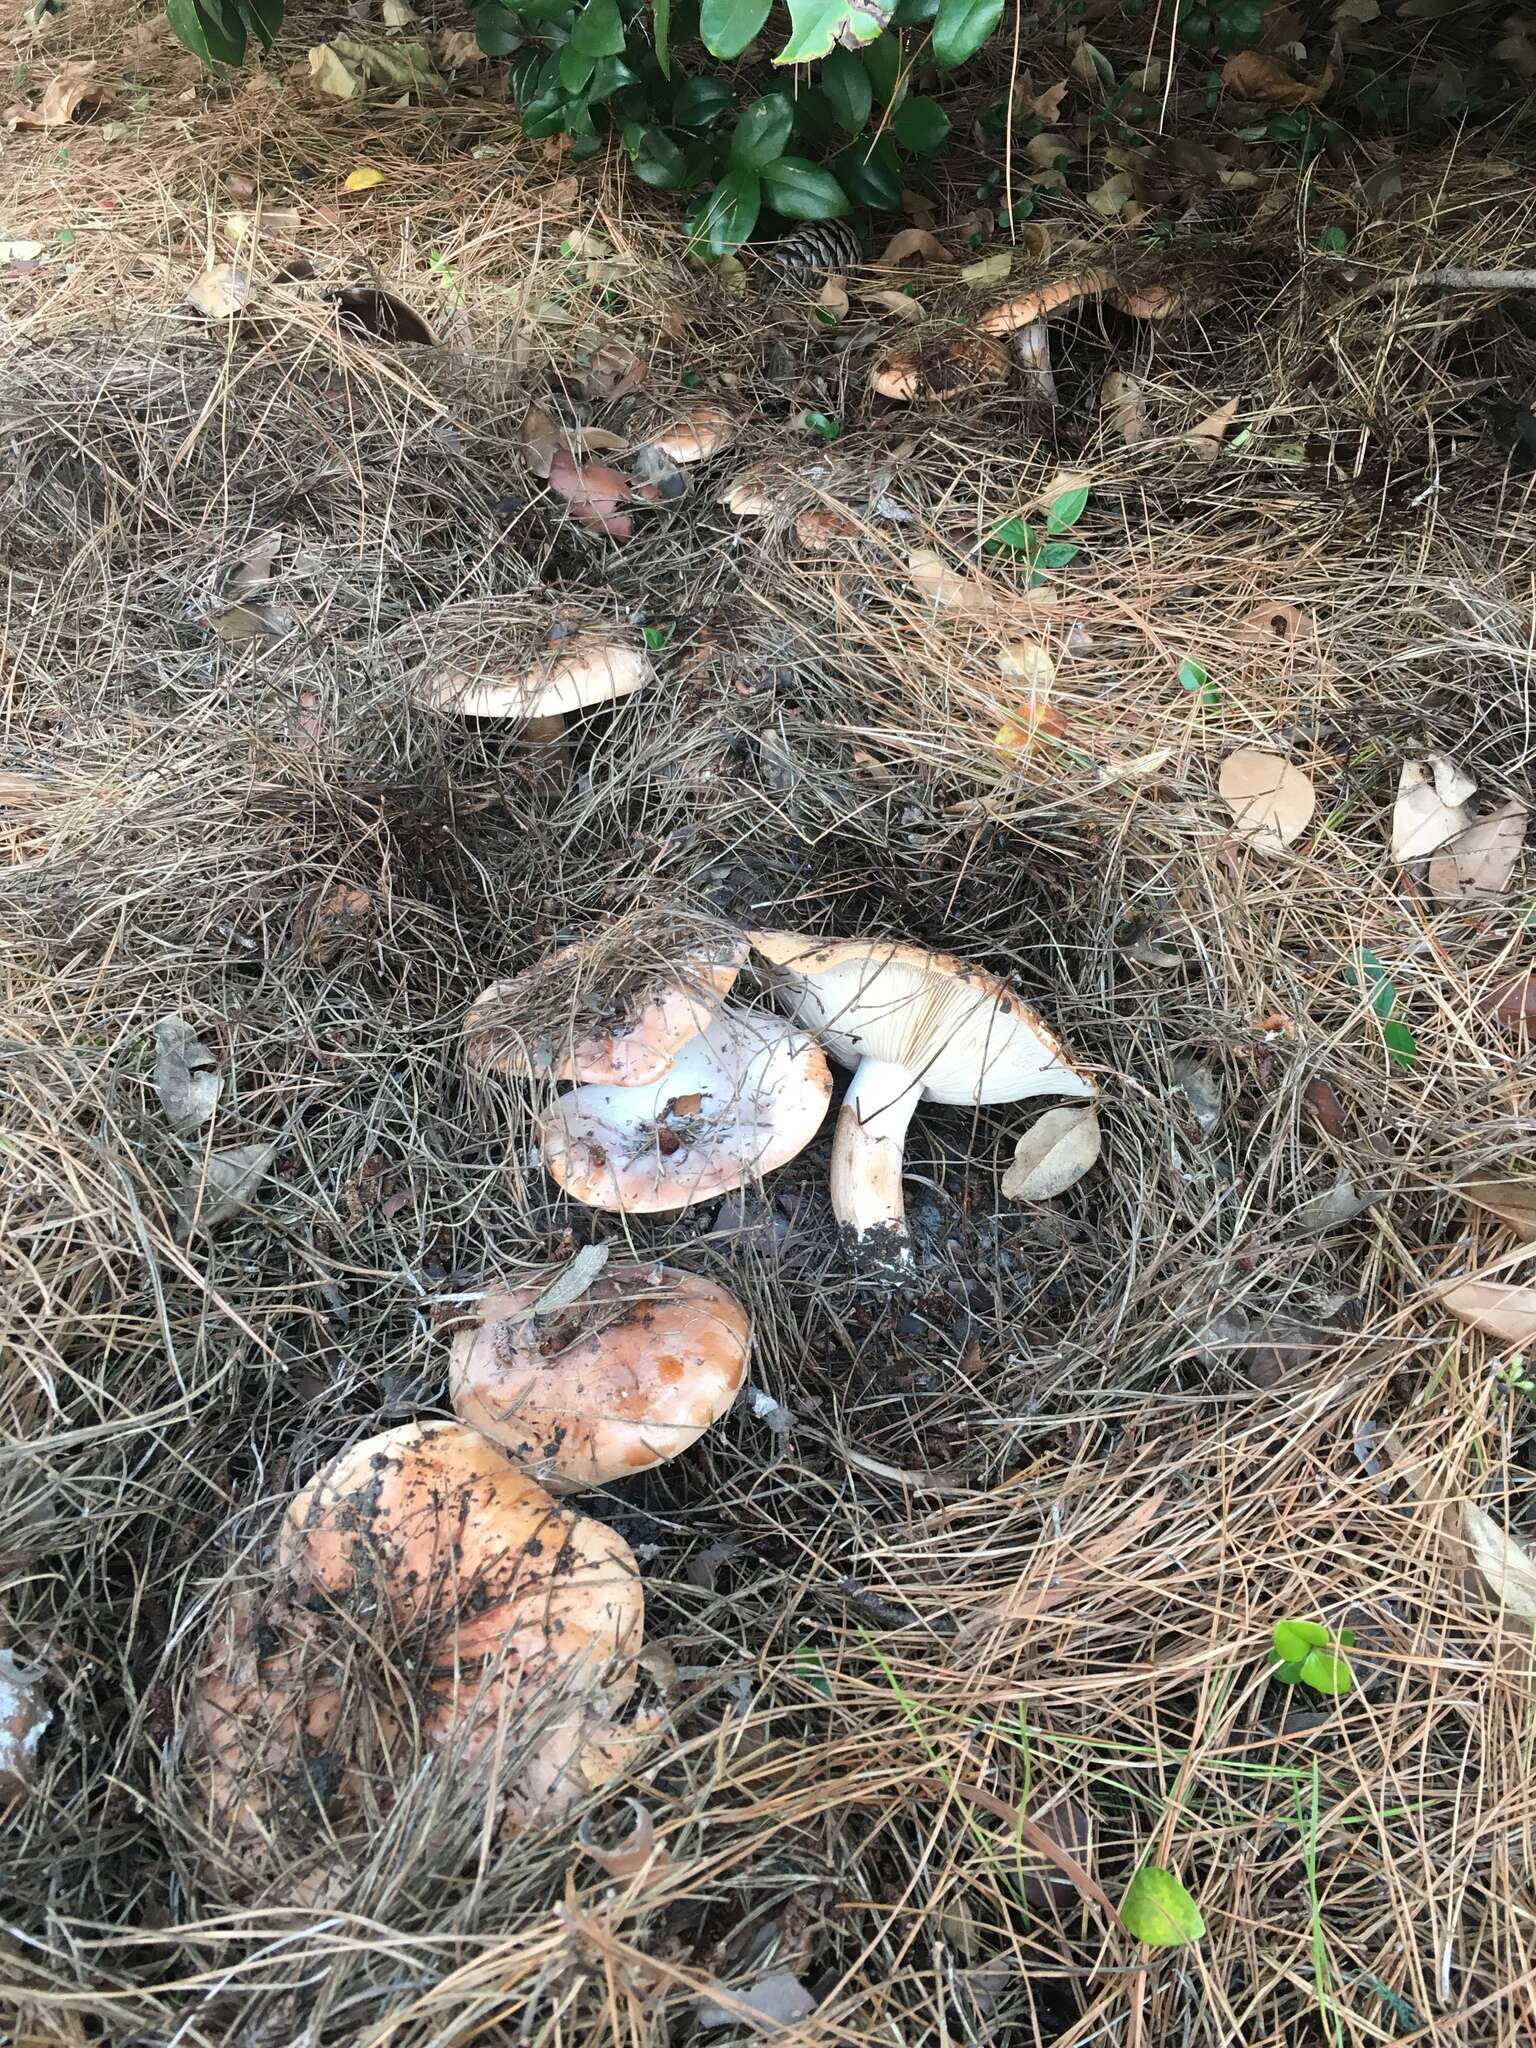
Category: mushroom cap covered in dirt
<point>637,1042</point>
<point>566,675</point>
<point>741,1098</point>
<point>483,1613</point>
<point>703,430</point>
<point>624,1378</point>
<point>910,1023</point>
<point>939,369</point>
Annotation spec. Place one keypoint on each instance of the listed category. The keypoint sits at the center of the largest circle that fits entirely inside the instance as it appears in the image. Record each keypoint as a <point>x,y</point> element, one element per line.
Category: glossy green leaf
<point>724,218</point>
<point>1057,553</point>
<point>815,25</point>
<point>762,131</point>
<point>657,159</point>
<point>1065,511</point>
<point>846,85</point>
<point>599,30</point>
<point>961,27</point>
<point>661,34</point>
<point>1293,1640</point>
<point>1014,534</point>
<point>913,13</point>
<point>497,30</point>
<point>576,66</point>
<point>870,176</point>
<point>701,101</point>
<point>803,191</point>
<point>727,26</point>
<point>211,32</point>
<point>609,75</point>
<point>920,125</point>
<point>1156,1909</point>
<point>814,118</point>
<point>263,18</point>
<point>822,423</point>
<point>882,64</point>
<point>1327,1672</point>
<point>1400,1042</point>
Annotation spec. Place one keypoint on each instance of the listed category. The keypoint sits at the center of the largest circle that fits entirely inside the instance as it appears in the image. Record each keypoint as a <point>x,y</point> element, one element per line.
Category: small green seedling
<point>1398,1039</point>
<point>1515,1377</point>
<point>1333,241</point>
<point>810,1667</point>
<point>656,637</point>
<point>823,423</point>
<point>1194,678</point>
<point>1306,1653</point>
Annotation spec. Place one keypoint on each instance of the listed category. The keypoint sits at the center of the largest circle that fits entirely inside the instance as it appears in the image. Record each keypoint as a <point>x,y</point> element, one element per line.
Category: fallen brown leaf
<point>1046,106</point>
<point>1321,1099</point>
<point>909,242</point>
<point>894,302</point>
<point>1422,819</point>
<point>220,292</point>
<point>1205,439</point>
<point>1512,1201</point>
<point>1124,406</point>
<point>1053,1154</point>
<point>1514,1000</point>
<point>594,493</point>
<point>74,95</point>
<point>1505,1565</point>
<point>934,579</point>
<point>1505,1309</point>
<point>1479,863</point>
<point>540,440</point>
<point>1252,75</point>
<point>832,302</point>
<point>613,371</point>
<point>1277,620</point>
<point>1271,799</point>
<point>238,623</point>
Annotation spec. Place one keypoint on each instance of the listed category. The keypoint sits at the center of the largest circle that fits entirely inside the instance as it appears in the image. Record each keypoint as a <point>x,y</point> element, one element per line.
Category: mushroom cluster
<point>679,1095</point>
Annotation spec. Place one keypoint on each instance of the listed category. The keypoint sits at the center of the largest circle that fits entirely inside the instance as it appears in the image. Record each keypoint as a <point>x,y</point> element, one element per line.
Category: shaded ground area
<point>1010,1539</point>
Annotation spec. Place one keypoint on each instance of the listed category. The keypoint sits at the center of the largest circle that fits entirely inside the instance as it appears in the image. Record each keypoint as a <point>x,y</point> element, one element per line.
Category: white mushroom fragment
<point>741,1098</point>
<point>910,1024</point>
<point>635,1042</point>
<point>624,1378</point>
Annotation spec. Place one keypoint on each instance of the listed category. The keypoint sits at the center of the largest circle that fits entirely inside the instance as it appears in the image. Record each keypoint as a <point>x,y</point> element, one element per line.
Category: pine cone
<point>819,250</point>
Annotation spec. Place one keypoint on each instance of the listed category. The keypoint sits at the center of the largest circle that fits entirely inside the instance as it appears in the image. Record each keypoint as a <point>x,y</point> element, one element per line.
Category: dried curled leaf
<point>1505,1565</point>
<point>1253,75</point>
<point>222,1183</point>
<point>1478,864</point>
<point>908,243</point>
<point>934,579</point>
<point>1205,439</point>
<point>1271,799</point>
<point>73,95</point>
<point>1123,403</point>
<point>1512,1201</point>
<point>1505,1309</point>
<point>1053,1154</point>
<point>186,1077</point>
<point>1422,820</point>
<point>220,292</point>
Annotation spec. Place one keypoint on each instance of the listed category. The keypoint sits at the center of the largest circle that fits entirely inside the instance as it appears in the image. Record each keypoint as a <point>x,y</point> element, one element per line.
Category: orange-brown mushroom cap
<point>626,1050</point>
<point>626,1377</point>
<point>1030,306</point>
<point>741,1098</point>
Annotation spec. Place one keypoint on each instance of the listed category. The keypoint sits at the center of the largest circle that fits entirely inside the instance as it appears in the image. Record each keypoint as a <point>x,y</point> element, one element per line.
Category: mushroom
<point>704,430</point>
<point>741,1098</point>
<point>485,1614</point>
<point>625,1378</point>
<point>1034,305</point>
<point>936,370</point>
<point>819,528</point>
<point>634,1044</point>
<point>570,674</point>
<point>910,1023</point>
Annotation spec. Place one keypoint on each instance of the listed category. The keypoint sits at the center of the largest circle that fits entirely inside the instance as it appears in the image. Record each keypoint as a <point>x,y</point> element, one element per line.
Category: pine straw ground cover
<point>1013,1540</point>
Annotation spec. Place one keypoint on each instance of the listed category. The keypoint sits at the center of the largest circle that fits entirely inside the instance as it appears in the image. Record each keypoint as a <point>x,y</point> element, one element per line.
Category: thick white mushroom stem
<point>868,1145</point>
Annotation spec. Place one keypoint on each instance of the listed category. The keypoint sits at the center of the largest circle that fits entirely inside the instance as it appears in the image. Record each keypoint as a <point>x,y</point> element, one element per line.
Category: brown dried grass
<point>1032,1522</point>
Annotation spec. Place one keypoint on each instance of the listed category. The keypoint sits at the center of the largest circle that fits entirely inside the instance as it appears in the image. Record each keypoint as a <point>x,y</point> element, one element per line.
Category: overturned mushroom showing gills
<point>741,1098</point>
<point>910,1024</point>
<point>565,676</point>
<point>423,1569</point>
<point>625,1378</point>
<point>636,1044</point>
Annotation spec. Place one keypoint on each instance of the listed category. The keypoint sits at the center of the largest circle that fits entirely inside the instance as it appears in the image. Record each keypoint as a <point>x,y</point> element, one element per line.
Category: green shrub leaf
<point>803,191</point>
<point>700,102</point>
<point>846,85</point>
<point>814,118</point>
<point>1400,1042</point>
<point>961,27</point>
<point>1156,1909</point>
<point>1326,1671</point>
<point>724,218</point>
<point>576,66</point>
<point>263,18</point>
<point>661,34</point>
<point>497,30</point>
<point>599,30</point>
<point>727,26</point>
<point>920,125</point>
<point>870,177</point>
<point>814,26</point>
<point>761,133</point>
<point>882,63</point>
<point>657,159</point>
<point>212,32</point>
